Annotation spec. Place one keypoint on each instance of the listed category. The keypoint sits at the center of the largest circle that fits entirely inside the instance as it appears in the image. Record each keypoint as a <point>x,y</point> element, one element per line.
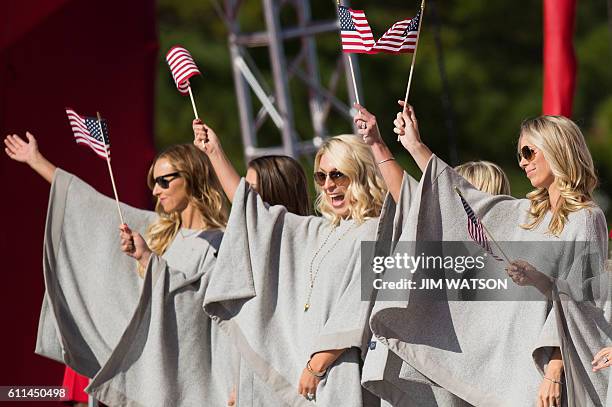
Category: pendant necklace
<point>313,275</point>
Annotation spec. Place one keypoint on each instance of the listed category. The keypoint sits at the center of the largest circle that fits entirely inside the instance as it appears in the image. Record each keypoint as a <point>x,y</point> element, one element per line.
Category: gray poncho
<point>584,315</point>
<point>258,293</point>
<point>144,343</point>
<point>482,352</point>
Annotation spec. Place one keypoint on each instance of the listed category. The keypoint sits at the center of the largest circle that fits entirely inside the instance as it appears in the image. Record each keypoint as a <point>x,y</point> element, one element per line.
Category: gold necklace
<point>313,276</point>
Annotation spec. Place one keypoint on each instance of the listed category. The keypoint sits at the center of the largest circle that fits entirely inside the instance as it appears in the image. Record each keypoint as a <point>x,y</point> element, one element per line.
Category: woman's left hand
<point>602,360</point>
<point>550,388</point>
<point>134,245</point>
<point>308,385</point>
<point>523,273</point>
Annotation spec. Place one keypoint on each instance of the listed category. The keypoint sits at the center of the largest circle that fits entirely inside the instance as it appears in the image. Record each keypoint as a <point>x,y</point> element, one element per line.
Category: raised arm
<point>407,128</point>
<point>389,168</point>
<point>206,140</point>
<point>27,152</point>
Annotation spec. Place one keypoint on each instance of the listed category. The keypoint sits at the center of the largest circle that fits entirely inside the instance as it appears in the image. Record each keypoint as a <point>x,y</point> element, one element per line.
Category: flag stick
<point>457,190</point>
<point>416,47</point>
<point>110,169</point>
<point>349,56</point>
<point>195,111</point>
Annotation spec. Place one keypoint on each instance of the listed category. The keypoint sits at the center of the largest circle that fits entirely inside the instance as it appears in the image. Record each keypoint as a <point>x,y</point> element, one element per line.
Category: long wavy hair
<point>366,191</point>
<point>486,176</point>
<point>203,191</point>
<point>281,181</point>
<point>566,152</point>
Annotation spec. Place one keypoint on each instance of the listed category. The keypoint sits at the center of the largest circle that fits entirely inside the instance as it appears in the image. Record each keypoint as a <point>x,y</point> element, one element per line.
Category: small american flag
<point>476,230</point>
<point>87,131</point>
<point>182,67</point>
<point>401,38</point>
<point>355,31</point>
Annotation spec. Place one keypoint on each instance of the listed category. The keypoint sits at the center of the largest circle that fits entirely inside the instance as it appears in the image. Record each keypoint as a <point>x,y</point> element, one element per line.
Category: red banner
<point>559,57</point>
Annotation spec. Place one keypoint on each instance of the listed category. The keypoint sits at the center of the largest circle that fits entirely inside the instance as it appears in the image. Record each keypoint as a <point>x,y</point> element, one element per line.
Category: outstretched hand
<point>20,150</point>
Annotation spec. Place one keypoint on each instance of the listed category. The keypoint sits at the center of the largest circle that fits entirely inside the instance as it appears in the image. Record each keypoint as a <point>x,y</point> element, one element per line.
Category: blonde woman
<point>500,341</point>
<point>144,340</point>
<point>293,303</point>
<point>486,176</point>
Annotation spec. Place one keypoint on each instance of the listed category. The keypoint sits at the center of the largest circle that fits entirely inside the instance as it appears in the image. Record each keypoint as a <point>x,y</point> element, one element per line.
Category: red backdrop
<point>89,56</point>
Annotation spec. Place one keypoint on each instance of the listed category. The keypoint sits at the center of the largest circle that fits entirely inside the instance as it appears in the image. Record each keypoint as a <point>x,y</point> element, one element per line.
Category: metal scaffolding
<point>276,102</point>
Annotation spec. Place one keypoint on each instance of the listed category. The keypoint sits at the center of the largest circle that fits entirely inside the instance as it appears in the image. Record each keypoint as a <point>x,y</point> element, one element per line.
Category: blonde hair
<point>203,191</point>
<point>486,176</point>
<point>366,191</point>
<point>561,142</point>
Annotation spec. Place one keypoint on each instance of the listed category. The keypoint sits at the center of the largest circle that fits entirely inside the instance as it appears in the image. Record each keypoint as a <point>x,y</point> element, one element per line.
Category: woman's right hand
<point>205,138</point>
<point>27,152</point>
<point>19,150</point>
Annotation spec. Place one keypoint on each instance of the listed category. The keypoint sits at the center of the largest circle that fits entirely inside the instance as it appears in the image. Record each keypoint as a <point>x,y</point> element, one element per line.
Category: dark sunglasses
<point>164,180</point>
<point>335,176</point>
<point>527,153</point>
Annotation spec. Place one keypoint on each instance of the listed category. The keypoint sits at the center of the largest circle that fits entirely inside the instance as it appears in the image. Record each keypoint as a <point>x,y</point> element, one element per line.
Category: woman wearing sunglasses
<point>143,339</point>
<point>293,302</point>
<point>500,340</point>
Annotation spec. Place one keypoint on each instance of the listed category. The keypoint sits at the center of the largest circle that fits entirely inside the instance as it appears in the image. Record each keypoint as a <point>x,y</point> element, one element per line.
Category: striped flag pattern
<point>355,31</point>
<point>87,132</point>
<point>182,67</point>
<point>476,230</point>
<point>401,38</point>
<point>356,34</point>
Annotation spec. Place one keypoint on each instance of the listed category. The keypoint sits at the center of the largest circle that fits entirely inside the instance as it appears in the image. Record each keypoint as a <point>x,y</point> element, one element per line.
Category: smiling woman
<point>300,275</point>
<point>555,158</point>
<point>554,155</point>
<point>347,181</point>
<point>130,333</point>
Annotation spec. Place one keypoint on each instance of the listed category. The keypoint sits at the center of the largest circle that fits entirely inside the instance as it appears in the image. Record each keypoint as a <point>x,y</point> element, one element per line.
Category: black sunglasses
<point>527,153</point>
<point>335,176</point>
<point>164,180</point>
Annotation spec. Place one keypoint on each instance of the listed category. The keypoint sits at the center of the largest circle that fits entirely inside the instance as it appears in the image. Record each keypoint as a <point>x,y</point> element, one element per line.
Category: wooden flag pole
<point>110,169</point>
<point>416,47</point>
<point>349,56</point>
<point>457,190</point>
<point>350,59</point>
<point>195,111</point>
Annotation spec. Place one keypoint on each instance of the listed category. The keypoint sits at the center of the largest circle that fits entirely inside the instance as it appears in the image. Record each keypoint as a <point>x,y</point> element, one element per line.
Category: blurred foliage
<point>493,59</point>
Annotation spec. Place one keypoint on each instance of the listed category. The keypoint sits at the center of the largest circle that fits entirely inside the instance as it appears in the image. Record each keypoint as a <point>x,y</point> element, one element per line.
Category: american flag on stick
<point>356,34</point>
<point>475,228</point>
<point>355,31</point>
<point>87,132</point>
<point>401,38</point>
<point>182,67</point>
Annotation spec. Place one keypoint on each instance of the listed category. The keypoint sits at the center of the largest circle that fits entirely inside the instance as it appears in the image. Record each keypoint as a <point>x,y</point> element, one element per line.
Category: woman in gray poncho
<point>292,303</point>
<point>452,346</point>
<point>144,341</point>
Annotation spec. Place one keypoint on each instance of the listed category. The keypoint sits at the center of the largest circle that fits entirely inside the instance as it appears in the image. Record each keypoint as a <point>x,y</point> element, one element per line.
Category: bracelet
<point>318,375</point>
<point>388,159</point>
<point>554,381</point>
